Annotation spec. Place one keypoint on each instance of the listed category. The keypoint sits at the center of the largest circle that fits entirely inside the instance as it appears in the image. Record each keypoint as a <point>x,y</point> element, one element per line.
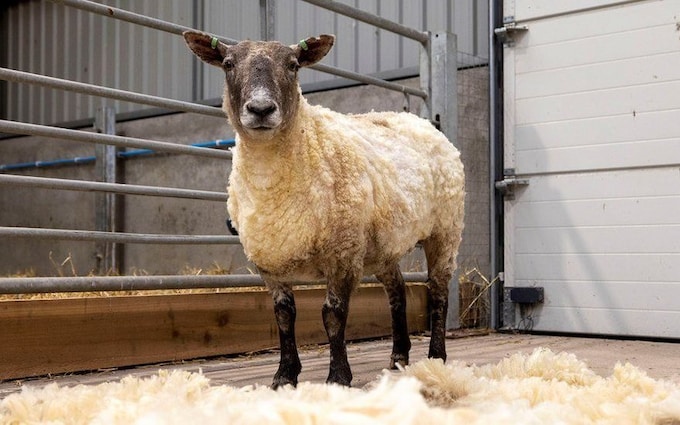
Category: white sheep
<point>316,194</point>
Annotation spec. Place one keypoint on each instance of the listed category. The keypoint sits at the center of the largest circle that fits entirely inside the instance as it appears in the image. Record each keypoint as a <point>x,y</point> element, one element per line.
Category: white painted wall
<point>592,119</point>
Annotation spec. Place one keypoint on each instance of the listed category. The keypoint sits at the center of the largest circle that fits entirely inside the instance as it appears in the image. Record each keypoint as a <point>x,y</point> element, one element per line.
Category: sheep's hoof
<point>437,353</point>
<point>401,359</point>
<point>342,377</point>
<point>286,376</point>
<point>281,381</point>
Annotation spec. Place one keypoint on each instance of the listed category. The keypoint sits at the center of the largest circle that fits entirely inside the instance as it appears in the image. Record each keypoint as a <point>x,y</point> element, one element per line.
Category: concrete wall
<point>75,210</point>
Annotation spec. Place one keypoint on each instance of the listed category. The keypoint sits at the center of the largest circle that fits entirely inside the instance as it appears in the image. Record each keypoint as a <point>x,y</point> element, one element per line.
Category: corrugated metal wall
<point>50,39</point>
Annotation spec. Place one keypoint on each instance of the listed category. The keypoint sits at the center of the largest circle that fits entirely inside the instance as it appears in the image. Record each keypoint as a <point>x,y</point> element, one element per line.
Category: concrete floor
<point>660,360</point>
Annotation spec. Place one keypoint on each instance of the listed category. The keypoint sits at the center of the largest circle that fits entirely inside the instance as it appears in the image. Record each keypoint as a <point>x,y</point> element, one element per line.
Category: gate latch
<point>510,182</point>
<point>506,34</point>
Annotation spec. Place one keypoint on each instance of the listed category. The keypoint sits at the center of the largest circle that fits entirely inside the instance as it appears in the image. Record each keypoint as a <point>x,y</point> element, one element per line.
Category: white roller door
<point>592,123</point>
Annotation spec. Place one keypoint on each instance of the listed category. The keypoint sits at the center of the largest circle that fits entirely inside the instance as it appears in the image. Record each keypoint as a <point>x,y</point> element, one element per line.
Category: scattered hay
<point>473,300</point>
<point>66,268</point>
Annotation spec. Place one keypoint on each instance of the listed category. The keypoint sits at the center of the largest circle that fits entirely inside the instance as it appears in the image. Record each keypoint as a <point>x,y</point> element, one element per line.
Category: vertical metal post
<point>425,78</point>
<point>443,81</point>
<point>496,163</point>
<point>198,78</point>
<point>439,75</point>
<point>268,19</point>
<point>107,253</point>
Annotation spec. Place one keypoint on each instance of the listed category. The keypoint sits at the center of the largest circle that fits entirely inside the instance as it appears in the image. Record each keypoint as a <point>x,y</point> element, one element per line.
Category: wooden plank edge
<point>42,337</point>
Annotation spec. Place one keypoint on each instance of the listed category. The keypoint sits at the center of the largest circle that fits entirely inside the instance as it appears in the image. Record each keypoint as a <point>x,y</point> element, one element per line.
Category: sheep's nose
<point>261,107</point>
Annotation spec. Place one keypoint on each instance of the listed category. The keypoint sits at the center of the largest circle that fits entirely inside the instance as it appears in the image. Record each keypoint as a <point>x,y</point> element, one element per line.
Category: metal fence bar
<point>126,142</point>
<point>135,18</point>
<point>80,160</point>
<point>367,79</point>
<point>369,18</point>
<point>93,236</point>
<point>128,189</point>
<point>36,285</point>
<point>94,90</point>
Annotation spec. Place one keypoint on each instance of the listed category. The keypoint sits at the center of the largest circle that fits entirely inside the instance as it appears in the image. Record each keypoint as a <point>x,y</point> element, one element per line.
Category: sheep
<point>315,194</point>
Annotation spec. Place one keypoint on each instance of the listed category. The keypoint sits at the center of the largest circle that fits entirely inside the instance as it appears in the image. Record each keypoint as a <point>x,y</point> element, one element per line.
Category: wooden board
<point>39,337</point>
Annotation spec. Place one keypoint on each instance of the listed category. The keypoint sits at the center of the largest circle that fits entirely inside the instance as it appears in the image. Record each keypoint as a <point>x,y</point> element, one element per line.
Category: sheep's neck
<point>276,161</point>
<point>263,168</point>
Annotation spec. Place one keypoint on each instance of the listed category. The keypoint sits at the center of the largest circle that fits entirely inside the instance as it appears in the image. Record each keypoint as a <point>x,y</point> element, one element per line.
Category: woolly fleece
<point>540,388</point>
<point>389,175</point>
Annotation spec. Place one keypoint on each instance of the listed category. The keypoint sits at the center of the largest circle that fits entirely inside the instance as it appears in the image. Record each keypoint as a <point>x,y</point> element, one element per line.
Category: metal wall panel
<point>51,39</point>
<point>360,47</point>
<point>58,41</point>
<point>591,112</point>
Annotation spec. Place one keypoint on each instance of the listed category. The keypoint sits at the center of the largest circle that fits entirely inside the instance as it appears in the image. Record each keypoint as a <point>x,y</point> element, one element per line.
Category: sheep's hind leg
<point>284,309</point>
<point>438,300</point>
<point>334,311</point>
<point>440,253</point>
<point>395,288</point>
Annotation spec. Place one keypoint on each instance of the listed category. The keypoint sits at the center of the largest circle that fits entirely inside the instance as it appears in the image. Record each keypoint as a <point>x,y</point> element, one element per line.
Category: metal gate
<point>438,91</point>
<point>592,166</point>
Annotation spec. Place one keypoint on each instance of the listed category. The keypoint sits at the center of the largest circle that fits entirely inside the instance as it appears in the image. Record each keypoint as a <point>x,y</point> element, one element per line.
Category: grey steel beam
<point>37,285</point>
<point>366,79</point>
<point>94,90</point>
<point>126,142</point>
<point>128,189</point>
<point>134,18</point>
<point>94,236</point>
<point>369,18</point>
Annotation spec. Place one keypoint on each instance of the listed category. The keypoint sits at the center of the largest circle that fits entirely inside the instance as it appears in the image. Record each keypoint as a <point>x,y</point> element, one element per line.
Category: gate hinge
<point>507,33</point>
<point>510,182</point>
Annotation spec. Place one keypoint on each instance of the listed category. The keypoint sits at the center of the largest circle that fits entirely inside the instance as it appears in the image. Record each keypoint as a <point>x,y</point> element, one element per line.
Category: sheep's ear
<point>208,48</point>
<point>313,49</point>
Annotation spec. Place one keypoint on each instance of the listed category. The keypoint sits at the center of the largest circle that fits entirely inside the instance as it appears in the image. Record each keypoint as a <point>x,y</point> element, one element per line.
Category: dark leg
<point>334,312</point>
<point>284,309</point>
<point>440,252</point>
<point>438,298</point>
<point>396,292</point>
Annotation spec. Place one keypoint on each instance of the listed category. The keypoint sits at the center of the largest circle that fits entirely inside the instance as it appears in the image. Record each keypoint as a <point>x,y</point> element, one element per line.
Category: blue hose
<point>214,144</point>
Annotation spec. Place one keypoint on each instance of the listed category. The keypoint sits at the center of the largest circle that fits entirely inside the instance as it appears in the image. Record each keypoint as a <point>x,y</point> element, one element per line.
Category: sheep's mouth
<point>257,124</point>
<point>262,132</point>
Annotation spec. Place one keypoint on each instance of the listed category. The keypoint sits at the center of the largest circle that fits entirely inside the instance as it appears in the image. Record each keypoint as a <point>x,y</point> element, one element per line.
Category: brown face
<point>261,86</point>
<point>261,93</point>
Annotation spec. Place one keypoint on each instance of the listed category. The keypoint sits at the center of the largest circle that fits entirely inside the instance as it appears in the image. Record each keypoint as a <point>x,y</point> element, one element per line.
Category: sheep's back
<point>417,178</point>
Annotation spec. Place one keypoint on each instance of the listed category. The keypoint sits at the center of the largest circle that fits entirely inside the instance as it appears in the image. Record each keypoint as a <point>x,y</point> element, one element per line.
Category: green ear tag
<point>303,45</point>
<point>213,43</point>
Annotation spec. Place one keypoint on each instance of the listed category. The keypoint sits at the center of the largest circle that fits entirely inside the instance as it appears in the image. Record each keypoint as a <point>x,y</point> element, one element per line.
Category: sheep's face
<point>261,92</point>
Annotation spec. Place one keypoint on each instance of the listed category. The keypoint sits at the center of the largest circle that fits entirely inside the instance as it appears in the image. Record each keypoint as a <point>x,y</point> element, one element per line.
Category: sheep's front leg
<point>395,288</point>
<point>335,310</point>
<point>284,309</point>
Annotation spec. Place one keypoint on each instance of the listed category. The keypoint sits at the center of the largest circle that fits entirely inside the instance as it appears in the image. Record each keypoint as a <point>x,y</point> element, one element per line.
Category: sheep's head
<point>261,91</point>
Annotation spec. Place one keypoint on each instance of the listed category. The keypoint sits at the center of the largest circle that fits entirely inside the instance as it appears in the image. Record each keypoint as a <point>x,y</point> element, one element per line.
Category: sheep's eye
<point>228,64</point>
<point>293,67</point>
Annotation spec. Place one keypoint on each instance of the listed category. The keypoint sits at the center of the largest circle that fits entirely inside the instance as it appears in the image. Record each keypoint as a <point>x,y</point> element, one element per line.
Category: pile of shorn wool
<point>542,387</point>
